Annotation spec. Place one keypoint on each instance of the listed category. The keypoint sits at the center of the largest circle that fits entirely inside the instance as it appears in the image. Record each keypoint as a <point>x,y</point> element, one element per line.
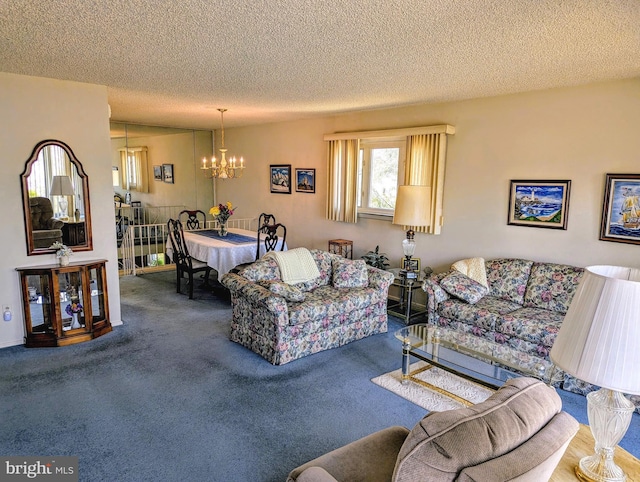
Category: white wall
<point>33,109</point>
<point>578,133</point>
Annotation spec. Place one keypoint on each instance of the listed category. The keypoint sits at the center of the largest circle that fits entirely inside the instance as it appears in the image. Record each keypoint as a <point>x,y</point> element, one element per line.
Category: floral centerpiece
<point>222,213</point>
<point>62,252</point>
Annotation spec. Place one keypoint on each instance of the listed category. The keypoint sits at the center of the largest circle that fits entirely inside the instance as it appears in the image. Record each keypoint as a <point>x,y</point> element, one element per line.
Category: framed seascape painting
<point>280,178</point>
<point>621,209</point>
<point>157,173</point>
<point>539,204</point>
<point>167,173</point>
<point>306,180</point>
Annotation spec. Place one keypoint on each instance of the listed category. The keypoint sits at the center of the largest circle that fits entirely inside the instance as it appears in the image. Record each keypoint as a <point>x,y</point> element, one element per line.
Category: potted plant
<point>376,259</point>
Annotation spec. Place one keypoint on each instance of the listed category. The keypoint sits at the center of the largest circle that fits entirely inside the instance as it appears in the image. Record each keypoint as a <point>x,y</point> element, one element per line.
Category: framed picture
<point>280,178</point>
<point>621,209</point>
<point>539,204</point>
<point>157,173</point>
<point>306,180</point>
<point>167,173</point>
<point>412,265</point>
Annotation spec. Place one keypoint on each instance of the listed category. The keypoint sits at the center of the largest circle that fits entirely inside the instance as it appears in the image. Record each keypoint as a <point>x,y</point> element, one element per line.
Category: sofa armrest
<point>435,295</point>
<point>256,295</point>
<point>369,459</point>
<point>379,278</point>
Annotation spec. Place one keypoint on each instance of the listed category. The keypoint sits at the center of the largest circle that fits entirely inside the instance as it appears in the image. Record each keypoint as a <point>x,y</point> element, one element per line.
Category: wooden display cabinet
<point>64,305</point>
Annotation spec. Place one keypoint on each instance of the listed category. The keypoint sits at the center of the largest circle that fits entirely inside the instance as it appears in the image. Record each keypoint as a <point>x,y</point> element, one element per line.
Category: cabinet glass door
<point>39,293</point>
<point>97,293</point>
<point>72,303</point>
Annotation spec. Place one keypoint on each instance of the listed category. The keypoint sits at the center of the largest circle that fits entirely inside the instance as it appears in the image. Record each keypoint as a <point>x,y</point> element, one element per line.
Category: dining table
<point>223,253</point>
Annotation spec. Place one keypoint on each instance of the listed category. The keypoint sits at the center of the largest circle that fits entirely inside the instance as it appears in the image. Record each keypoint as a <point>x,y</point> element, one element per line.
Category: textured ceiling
<point>172,62</point>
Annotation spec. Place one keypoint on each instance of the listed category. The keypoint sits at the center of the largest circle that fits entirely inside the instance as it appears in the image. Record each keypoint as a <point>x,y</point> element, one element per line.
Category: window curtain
<point>53,161</point>
<point>342,168</point>
<point>133,162</point>
<point>426,154</point>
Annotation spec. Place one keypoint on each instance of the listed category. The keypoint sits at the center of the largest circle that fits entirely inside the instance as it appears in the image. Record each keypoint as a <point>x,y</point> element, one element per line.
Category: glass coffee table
<point>473,358</point>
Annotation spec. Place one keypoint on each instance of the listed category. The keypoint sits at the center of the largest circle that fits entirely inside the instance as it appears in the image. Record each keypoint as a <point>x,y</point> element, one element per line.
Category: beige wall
<point>185,151</point>
<point>578,133</point>
<point>33,109</point>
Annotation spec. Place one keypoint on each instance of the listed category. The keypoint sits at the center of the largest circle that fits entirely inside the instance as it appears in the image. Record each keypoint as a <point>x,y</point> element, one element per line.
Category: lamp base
<point>609,418</point>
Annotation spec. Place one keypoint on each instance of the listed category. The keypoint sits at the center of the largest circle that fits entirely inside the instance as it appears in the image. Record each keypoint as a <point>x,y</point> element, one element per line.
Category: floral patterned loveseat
<point>522,309</point>
<point>523,306</point>
<point>283,322</point>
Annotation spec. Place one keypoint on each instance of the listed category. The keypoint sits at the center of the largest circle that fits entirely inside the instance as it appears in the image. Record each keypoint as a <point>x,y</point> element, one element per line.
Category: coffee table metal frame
<point>488,364</point>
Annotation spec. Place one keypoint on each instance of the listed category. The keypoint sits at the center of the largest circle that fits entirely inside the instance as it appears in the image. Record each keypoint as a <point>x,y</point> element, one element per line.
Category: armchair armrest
<point>369,459</point>
<point>53,223</point>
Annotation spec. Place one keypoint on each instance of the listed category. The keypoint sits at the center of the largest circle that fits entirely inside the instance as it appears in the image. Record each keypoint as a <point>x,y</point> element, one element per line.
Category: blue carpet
<point>232,238</point>
<point>167,397</point>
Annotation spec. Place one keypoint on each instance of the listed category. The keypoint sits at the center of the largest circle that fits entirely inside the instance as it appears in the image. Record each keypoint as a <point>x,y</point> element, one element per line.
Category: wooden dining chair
<point>183,260</point>
<point>193,219</point>
<point>274,233</point>
<point>271,231</point>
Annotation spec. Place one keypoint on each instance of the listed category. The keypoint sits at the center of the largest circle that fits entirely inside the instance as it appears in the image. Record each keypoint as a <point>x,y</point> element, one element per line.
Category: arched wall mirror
<point>55,197</point>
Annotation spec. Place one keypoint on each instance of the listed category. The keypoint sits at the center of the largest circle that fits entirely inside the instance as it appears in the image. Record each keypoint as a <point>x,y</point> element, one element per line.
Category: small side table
<point>343,247</point>
<point>404,307</point>
<point>73,233</point>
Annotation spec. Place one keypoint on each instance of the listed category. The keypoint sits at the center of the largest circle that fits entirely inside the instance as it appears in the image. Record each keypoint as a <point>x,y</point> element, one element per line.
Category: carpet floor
<point>167,396</point>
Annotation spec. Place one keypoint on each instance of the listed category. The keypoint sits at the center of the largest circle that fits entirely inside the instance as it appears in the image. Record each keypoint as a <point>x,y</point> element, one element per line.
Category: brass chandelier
<point>225,169</point>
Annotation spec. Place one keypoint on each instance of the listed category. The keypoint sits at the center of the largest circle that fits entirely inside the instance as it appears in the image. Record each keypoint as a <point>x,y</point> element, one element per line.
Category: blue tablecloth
<point>232,238</point>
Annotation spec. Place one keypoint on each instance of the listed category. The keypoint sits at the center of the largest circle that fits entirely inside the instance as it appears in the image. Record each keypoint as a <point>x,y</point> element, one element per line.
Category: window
<point>133,162</point>
<point>380,171</point>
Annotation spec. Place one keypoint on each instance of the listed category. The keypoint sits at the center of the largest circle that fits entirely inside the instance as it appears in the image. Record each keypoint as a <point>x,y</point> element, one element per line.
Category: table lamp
<point>61,186</point>
<point>599,342</point>
<point>413,206</point>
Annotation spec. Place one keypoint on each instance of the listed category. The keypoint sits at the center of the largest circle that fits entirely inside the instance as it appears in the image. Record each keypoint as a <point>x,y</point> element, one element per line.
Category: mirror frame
<point>31,249</point>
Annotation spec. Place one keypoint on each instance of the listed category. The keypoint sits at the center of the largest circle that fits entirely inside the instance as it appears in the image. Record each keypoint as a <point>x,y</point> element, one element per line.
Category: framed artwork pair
<point>163,173</point>
<point>281,179</point>
<point>545,204</point>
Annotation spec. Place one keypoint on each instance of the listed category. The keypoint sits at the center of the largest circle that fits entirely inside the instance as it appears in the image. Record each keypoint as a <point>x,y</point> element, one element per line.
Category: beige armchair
<point>517,434</point>
<point>45,228</point>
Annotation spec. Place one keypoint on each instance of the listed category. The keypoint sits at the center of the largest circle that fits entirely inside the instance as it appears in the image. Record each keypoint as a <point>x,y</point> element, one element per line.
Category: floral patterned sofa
<point>282,322</point>
<point>522,308</point>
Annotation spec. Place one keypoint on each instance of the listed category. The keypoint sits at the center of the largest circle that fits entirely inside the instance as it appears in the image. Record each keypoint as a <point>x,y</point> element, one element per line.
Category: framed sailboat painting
<point>621,209</point>
<point>539,204</point>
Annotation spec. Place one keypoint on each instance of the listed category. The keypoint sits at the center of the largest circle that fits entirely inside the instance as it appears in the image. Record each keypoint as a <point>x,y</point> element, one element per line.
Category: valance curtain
<point>426,154</point>
<point>342,168</point>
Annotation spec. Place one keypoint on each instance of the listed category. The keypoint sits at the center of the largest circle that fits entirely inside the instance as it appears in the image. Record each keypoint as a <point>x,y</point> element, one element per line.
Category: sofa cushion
<point>287,291</point>
<point>483,314</point>
<point>349,273</point>
<point>534,325</point>
<point>444,443</point>
<point>328,302</point>
<point>463,287</point>
<point>552,286</point>
<point>507,278</point>
<point>266,268</point>
<point>323,262</point>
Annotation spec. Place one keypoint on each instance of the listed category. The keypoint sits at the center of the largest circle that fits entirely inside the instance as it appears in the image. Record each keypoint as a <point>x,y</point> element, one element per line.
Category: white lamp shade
<point>599,340</point>
<point>413,206</point>
<point>61,186</point>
